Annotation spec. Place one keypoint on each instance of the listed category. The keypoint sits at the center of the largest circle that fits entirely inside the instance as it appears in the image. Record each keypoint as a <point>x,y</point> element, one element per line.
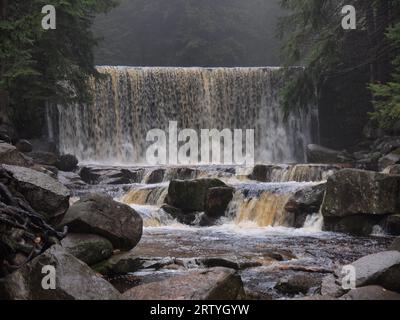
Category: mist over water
<point>131,101</point>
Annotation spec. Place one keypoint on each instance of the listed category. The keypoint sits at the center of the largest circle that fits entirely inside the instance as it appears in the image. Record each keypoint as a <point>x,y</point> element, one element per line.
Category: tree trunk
<point>371,29</point>
<point>4,118</point>
<point>383,48</point>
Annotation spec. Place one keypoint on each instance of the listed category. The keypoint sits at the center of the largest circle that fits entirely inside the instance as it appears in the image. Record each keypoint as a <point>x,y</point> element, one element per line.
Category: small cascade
<point>267,210</point>
<point>264,203</point>
<point>314,222</point>
<point>293,173</point>
<point>146,195</point>
<point>304,172</point>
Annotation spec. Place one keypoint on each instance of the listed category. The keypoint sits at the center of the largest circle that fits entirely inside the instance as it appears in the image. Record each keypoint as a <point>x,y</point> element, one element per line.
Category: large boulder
<point>353,192</point>
<point>74,280</point>
<point>89,248</point>
<point>319,154</point>
<point>67,163</point>
<point>382,268</point>
<point>101,215</point>
<point>190,195</point>
<point>373,293</point>
<point>210,284</point>
<point>44,194</point>
<point>10,155</point>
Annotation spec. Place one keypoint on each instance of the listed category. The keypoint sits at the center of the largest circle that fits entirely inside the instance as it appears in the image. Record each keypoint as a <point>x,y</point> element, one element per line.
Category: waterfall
<point>130,101</point>
<point>147,195</point>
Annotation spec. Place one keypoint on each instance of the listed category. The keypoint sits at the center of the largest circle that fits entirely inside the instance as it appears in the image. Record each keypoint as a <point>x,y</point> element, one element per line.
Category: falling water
<point>131,101</point>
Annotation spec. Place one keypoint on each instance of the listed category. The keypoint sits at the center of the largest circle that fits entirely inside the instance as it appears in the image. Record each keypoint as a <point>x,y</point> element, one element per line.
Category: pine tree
<point>387,96</point>
<point>314,37</point>
<point>38,65</point>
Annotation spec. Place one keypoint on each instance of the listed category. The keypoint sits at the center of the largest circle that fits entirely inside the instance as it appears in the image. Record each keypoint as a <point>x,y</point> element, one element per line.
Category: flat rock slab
<point>210,284</point>
<point>74,280</point>
<point>45,194</point>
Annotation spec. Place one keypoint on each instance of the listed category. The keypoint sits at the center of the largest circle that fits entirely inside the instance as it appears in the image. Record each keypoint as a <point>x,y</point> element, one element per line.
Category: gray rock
<point>300,283</point>
<point>395,246</point>
<point>357,225</point>
<point>50,171</point>
<point>74,280</point>
<point>304,202</point>
<point>101,215</point>
<point>45,194</point>
<point>67,163</point>
<point>24,146</point>
<point>210,284</point>
<point>330,287</point>
<point>70,180</point>
<point>386,144</point>
<point>371,293</point>
<point>120,264</point>
<point>217,201</point>
<point>180,216</point>
<point>352,192</point>
<point>390,159</point>
<point>190,195</point>
<point>155,176</point>
<point>377,268</point>
<point>319,154</point>
<point>88,248</point>
<point>11,156</point>
<point>262,172</point>
<point>393,169</point>
<point>110,176</point>
<point>44,158</point>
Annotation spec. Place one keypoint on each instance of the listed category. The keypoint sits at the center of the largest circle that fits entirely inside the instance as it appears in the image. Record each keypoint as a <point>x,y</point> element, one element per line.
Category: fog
<point>204,33</point>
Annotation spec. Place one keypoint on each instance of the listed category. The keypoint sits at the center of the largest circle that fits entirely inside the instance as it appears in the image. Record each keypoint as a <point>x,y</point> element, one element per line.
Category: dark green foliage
<point>48,65</point>
<point>335,59</point>
<point>387,96</point>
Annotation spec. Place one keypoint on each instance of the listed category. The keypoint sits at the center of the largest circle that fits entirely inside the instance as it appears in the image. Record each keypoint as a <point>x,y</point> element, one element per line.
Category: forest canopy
<point>38,65</point>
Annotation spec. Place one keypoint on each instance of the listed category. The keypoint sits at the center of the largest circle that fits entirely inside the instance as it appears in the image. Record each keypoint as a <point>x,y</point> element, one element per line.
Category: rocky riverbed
<point>197,232</point>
